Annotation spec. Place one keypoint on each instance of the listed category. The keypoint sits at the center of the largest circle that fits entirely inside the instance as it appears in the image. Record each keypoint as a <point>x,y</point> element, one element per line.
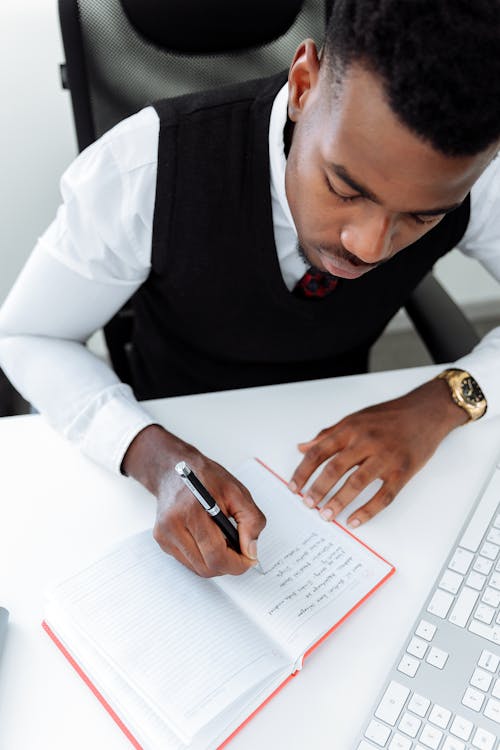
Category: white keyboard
<point>443,692</point>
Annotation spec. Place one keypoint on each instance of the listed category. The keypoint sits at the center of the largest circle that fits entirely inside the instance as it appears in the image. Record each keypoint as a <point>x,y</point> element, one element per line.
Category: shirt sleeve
<point>89,262</point>
<point>482,242</point>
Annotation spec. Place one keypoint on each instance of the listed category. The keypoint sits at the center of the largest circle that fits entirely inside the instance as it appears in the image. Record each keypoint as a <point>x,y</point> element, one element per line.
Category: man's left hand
<point>390,441</point>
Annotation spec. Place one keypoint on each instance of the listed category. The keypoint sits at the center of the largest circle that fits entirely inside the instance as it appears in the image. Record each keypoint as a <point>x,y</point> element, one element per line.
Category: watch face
<point>471,392</point>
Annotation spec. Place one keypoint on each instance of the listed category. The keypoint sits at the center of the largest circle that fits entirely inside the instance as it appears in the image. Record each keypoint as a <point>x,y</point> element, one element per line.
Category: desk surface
<point>58,512</point>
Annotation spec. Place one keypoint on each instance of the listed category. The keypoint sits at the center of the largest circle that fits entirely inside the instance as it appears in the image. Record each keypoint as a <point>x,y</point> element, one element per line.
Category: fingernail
<point>326,514</point>
<point>252,549</point>
<point>292,486</point>
<point>309,501</point>
<point>354,523</point>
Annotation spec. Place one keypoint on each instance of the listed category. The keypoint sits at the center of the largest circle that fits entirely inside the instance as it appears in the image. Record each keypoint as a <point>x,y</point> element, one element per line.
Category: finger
<point>249,519</point>
<point>378,502</point>
<point>218,558</point>
<point>214,548</point>
<point>183,560</point>
<point>182,530</point>
<point>331,473</point>
<point>314,457</point>
<point>304,446</point>
<point>360,478</point>
<point>185,551</point>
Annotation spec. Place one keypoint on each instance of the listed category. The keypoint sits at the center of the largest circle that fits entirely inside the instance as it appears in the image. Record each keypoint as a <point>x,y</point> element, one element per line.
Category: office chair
<point>121,55</point>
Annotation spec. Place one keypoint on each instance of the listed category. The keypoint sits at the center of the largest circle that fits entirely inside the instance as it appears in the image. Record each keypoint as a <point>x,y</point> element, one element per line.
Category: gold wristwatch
<point>465,392</point>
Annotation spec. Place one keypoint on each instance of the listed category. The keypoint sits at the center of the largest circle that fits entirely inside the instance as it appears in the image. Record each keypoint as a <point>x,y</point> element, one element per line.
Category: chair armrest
<point>443,328</point>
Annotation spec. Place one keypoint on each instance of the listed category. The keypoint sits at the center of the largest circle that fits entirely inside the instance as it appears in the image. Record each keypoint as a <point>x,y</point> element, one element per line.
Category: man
<point>367,180</point>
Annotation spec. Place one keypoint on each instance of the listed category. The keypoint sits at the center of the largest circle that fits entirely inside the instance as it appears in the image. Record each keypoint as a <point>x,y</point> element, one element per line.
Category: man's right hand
<point>183,529</point>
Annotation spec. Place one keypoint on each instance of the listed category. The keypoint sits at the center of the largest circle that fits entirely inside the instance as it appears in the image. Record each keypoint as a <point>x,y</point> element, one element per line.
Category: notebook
<point>180,661</point>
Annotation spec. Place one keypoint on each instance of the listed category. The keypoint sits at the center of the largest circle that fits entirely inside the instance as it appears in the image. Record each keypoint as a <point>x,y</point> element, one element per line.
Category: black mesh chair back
<point>124,54</point>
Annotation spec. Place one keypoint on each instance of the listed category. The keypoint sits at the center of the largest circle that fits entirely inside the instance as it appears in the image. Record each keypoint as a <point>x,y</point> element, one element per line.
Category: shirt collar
<point>277,159</point>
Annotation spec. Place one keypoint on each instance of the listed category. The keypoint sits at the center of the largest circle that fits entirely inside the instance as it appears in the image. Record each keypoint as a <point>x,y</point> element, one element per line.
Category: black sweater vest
<point>214,312</point>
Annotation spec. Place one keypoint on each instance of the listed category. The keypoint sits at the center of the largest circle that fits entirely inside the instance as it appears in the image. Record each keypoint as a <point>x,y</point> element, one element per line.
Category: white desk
<point>58,512</point>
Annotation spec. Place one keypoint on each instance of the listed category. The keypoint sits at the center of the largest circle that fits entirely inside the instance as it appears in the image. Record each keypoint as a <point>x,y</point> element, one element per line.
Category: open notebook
<point>181,661</point>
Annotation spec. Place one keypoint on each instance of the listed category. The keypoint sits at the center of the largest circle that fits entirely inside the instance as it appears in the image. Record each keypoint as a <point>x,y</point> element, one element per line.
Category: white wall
<point>37,142</point>
<point>36,130</point>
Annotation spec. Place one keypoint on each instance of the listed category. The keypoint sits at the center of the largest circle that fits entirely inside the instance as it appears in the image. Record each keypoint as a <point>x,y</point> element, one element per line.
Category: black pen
<point>208,503</point>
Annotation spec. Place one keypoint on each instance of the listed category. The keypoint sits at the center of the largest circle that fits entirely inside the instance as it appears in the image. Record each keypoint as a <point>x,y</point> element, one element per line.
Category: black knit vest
<point>215,313</point>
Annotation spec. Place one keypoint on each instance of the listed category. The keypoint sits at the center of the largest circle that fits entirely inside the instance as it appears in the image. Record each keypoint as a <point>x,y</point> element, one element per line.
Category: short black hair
<point>439,61</point>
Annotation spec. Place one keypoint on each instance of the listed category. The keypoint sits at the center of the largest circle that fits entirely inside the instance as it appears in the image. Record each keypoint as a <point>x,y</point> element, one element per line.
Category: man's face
<point>360,185</point>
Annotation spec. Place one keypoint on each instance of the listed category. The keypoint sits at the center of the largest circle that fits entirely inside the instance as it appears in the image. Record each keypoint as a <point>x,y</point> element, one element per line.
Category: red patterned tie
<point>315,284</point>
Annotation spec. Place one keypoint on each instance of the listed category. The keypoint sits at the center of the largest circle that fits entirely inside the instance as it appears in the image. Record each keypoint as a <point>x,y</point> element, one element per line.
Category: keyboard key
<point>451,581</point>
<point>408,665</point>
<point>481,680</point>
<point>451,743</point>
<point>464,605</point>
<point>473,699</point>
<point>490,632</point>
<point>483,739</point>
<point>365,745</point>
<point>490,550</point>
<point>417,647</point>
<point>496,689</point>
<point>489,661</point>
<point>378,733</point>
<point>392,703</point>
<point>478,524</point>
<point>484,613</point>
<point>494,581</point>
<point>496,522</point>
<point>483,565</point>
<point>440,716</point>
<point>436,657</point>
<point>425,630</point>
<point>440,603</point>
<point>461,727</point>
<point>461,560</point>
<point>476,580</point>
<point>431,737</point>
<point>492,710</point>
<point>491,597</point>
<point>399,742</point>
<point>494,536</point>
<point>409,724</point>
<point>419,705</point>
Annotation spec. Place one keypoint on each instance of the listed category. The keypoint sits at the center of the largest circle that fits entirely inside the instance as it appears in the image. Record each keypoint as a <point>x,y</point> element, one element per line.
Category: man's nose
<point>369,237</point>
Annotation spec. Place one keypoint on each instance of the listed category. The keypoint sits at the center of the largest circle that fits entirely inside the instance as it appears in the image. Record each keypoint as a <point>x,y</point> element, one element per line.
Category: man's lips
<point>341,267</point>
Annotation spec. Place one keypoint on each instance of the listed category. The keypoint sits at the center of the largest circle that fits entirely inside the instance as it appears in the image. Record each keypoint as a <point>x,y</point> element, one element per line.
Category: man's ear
<point>303,77</point>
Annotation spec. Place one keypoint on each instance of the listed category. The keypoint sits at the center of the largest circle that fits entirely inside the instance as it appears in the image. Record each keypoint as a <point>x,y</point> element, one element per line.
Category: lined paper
<point>177,638</point>
<point>314,572</point>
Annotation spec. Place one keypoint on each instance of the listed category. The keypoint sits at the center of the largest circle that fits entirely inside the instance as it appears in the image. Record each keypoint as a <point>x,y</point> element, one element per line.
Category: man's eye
<point>426,219</point>
<point>343,198</point>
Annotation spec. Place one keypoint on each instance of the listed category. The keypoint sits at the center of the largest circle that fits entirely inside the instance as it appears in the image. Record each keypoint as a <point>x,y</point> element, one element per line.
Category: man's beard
<point>311,265</point>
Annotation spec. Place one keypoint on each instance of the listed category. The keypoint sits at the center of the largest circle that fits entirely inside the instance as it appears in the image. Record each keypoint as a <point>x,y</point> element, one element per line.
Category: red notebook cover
<point>76,666</point>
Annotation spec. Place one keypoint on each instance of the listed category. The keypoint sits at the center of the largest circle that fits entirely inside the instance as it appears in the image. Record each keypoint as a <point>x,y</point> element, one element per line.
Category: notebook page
<point>314,572</point>
<point>174,637</point>
<point>145,724</point>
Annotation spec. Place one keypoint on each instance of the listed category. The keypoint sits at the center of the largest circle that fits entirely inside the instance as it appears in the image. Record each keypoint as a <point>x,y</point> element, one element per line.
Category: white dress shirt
<point>97,253</point>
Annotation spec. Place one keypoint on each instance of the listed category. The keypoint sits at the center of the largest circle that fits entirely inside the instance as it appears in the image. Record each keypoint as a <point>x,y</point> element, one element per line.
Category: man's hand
<point>390,441</point>
<point>183,529</point>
